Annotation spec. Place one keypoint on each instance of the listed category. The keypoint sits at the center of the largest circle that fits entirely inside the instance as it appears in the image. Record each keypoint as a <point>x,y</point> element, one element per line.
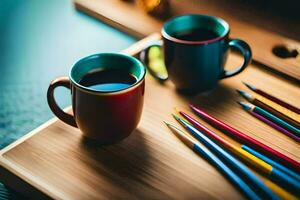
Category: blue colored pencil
<point>254,182</point>
<point>215,161</point>
<point>273,173</point>
<point>272,162</point>
<point>252,108</point>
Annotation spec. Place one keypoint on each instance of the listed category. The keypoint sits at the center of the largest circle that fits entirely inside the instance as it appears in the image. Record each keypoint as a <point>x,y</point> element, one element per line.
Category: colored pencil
<point>273,98</point>
<point>256,109</point>
<point>283,194</point>
<point>273,108</point>
<point>275,126</point>
<point>255,183</point>
<point>272,162</point>
<point>274,174</point>
<point>279,157</point>
<point>215,161</point>
<point>247,148</point>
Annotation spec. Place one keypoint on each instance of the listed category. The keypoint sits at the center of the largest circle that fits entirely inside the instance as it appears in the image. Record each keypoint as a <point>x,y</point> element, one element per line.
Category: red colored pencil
<point>273,98</point>
<point>283,159</point>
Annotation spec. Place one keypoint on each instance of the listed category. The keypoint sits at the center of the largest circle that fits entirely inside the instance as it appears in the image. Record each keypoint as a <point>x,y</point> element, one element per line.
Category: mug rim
<point>176,40</point>
<point>90,90</point>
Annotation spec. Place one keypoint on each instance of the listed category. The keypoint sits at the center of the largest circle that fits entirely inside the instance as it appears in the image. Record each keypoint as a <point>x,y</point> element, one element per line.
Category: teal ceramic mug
<point>109,110</point>
<point>195,50</point>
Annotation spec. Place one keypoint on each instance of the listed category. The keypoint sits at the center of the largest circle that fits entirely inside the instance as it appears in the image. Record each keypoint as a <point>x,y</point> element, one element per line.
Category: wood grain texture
<point>127,17</point>
<point>55,161</point>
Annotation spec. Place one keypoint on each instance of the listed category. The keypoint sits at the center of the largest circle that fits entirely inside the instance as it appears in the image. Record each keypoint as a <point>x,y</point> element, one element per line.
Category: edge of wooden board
<point>13,174</point>
<point>30,134</point>
<point>108,21</point>
<point>131,50</point>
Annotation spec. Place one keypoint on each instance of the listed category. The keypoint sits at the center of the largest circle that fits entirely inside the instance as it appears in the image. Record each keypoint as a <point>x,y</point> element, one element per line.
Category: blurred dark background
<point>278,16</point>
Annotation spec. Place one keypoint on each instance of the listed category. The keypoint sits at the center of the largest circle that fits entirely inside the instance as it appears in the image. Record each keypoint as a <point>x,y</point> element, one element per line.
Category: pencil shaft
<point>277,100</point>
<point>276,120</point>
<point>272,107</point>
<point>273,98</point>
<point>216,162</point>
<point>279,157</point>
<point>283,194</point>
<point>285,181</point>
<point>276,113</point>
<point>273,174</point>
<point>278,108</point>
<point>275,126</point>
<point>235,179</point>
<point>272,162</point>
<point>234,164</point>
<point>237,150</point>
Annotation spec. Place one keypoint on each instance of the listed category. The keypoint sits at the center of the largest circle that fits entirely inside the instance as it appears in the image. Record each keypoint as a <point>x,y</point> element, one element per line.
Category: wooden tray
<point>54,161</point>
<point>127,17</point>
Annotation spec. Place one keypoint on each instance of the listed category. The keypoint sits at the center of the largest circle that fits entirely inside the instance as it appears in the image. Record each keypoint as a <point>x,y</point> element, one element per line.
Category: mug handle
<point>245,49</point>
<point>62,115</point>
<point>144,59</point>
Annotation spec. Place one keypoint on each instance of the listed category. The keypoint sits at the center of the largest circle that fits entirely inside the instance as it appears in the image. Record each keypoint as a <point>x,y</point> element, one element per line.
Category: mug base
<point>101,142</point>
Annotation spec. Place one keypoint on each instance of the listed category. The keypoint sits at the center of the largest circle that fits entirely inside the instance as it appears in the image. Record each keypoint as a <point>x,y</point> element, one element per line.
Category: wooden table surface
<point>54,161</point>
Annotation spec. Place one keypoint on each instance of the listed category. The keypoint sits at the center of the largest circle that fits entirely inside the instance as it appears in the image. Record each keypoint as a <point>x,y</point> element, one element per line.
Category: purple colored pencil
<point>275,126</point>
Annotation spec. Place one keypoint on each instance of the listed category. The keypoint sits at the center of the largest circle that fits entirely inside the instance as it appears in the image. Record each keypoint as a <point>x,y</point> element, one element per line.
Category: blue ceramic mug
<point>195,50</point>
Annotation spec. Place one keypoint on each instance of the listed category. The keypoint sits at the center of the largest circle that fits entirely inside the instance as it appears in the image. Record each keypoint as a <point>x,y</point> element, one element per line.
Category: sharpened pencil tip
<point>240,92</point>
<point>170,126</point>
<point>185,138</point>
<point>251,87</point>
<point>245,106</point>
<point>175,116</point>
<point>167,124</point>
<point>181,120</point>
<point>191,106</point>
<point>244,94</point>
<point>176,111</point>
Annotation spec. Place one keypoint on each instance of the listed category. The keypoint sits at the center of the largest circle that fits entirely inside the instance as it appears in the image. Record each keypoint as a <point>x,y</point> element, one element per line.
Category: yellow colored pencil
<point>200,149</point>
<point>266,169</point>
<point>190,142</point>
<point>283,194</point>
<point>236,149</point>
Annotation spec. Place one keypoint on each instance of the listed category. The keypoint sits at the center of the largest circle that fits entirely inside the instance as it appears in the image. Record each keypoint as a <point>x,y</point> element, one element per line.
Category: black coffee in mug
<point>101,109</point>
<point>197,34</point>
<point>108,80</point>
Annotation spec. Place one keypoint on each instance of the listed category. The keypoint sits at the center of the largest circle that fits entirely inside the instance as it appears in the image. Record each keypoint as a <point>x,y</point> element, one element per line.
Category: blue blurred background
<point>40,40</point>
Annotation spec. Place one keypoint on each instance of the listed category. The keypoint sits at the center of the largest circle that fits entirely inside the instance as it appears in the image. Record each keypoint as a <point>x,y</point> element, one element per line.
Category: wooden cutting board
<point>54,161</point>
<point>131,19</point>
